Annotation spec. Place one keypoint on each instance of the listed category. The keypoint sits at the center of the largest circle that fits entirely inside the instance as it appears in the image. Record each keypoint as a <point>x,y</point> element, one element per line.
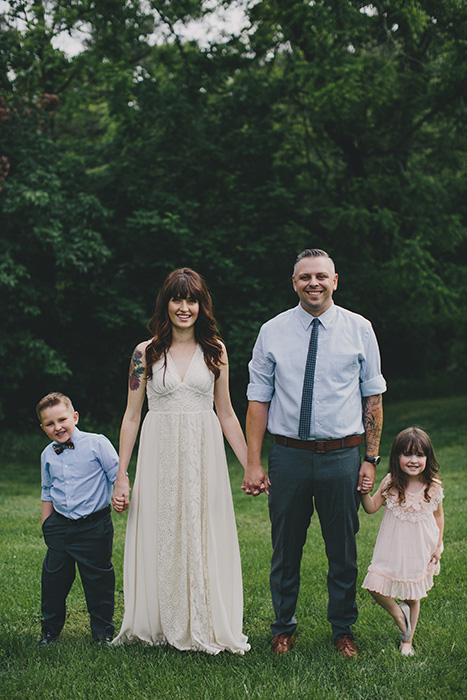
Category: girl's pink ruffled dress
<point>407,538</point>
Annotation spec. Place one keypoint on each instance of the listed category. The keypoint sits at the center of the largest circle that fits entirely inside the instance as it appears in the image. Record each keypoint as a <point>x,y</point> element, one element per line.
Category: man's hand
<point>366,477</point>
<point>256,480</point>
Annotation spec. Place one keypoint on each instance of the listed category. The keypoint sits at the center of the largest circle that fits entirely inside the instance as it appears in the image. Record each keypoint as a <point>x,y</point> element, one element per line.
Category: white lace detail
<point>183,542</point>
<point>414,507</point>
<point>183,545</point>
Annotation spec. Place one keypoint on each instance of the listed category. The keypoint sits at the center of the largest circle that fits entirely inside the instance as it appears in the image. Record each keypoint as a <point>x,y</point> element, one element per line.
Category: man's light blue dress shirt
<point>79,482</point>
<point>348,366</point>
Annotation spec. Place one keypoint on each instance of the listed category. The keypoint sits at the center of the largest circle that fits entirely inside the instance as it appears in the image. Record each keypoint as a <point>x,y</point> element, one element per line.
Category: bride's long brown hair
<point>184,283</point>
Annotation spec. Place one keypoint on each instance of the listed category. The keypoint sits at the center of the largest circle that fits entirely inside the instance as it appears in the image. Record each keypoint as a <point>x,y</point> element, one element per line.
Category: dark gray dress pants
<point>301,481</point>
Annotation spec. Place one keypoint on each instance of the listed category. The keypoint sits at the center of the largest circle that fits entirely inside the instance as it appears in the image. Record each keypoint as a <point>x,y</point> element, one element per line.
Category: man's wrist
<point>372,460</point>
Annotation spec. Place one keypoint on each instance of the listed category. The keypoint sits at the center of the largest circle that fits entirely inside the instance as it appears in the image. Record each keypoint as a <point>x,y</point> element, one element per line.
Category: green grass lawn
<point>75,669</point>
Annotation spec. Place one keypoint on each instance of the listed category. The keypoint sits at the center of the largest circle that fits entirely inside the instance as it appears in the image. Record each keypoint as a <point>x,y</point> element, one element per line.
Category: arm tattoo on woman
<point>372,422</point>
<point>136,370</point>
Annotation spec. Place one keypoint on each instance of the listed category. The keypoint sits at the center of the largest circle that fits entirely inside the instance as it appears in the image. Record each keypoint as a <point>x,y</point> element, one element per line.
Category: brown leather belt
<point>319,446</point>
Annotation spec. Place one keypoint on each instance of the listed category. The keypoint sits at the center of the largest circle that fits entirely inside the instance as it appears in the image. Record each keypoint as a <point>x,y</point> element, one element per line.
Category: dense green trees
<point>332,123</point>
<point>379,99</point>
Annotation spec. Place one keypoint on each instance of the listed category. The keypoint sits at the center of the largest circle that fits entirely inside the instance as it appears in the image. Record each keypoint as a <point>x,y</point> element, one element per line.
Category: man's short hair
<point>312,253</point>
<point>52,399</point>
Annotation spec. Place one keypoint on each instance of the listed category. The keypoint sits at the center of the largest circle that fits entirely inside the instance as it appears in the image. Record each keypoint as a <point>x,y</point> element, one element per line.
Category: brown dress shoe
<point>346,647</point>
<point>282,644</point>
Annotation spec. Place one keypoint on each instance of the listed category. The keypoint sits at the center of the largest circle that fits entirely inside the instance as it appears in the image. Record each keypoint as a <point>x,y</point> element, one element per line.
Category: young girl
<point>410,539</point>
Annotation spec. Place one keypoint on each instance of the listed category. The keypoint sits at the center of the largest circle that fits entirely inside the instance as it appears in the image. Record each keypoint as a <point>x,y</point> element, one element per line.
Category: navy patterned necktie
<point>307,394</point>
<point>60,446</point>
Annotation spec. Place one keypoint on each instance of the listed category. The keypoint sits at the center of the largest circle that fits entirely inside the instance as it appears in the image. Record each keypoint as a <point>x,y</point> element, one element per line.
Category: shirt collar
<point>325,318</point>
<point>77,434</point>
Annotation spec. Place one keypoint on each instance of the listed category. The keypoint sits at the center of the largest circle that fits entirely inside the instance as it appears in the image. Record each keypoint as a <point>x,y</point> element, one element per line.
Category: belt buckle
<point>320,446</point>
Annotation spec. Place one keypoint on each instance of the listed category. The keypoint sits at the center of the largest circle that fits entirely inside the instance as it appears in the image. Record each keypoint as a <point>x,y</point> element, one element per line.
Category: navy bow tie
<point>59,447</point>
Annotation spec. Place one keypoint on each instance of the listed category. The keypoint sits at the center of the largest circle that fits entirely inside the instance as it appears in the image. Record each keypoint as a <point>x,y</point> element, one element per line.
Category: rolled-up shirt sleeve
<point>46,481</point>
<point>108,458</point>
<point>261,368</point>
<point>372,381</point>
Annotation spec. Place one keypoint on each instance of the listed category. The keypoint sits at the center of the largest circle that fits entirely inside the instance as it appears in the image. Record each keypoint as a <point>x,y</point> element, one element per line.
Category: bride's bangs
<point>185,287</point>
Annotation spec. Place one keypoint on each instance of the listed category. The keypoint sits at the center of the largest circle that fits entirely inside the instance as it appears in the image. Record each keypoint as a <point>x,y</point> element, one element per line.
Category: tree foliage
<point>378,93</point>
<point>333,124</point>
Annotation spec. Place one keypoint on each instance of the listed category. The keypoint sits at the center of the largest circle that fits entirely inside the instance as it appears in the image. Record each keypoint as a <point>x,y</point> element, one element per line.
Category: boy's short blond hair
<point>52,399</point>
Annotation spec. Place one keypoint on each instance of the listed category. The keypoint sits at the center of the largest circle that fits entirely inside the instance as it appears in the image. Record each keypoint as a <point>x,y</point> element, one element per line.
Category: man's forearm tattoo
<point>136,370</point>
<point>372,422</point>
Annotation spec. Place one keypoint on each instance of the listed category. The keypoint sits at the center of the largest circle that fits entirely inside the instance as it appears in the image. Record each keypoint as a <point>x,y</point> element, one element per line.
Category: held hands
<point>366,485</point>
<point>255,481</point>
<point>366,477</point>
<point>121,495</point>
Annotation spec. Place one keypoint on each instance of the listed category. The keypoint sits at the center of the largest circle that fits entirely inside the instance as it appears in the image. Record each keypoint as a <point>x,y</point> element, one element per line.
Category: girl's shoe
<point>408,652</point>
<point>405,636</point>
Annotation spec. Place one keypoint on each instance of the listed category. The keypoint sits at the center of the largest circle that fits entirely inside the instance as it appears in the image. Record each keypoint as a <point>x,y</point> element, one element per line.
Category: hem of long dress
<point>123,638</point>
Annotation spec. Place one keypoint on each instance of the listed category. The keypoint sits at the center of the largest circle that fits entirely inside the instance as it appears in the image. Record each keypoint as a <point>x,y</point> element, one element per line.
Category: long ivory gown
<point>182,569</point>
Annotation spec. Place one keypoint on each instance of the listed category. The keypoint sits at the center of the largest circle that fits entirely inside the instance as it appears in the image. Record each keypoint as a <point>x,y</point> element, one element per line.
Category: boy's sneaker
<point>47,639</point>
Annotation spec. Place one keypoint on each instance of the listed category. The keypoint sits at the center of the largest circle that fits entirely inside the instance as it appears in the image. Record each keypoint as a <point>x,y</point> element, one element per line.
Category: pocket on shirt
<point>344,366</point>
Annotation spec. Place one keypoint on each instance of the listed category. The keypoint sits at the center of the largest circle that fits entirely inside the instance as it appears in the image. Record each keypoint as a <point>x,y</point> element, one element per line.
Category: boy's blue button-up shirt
<point>79,482</point>
<point>348,366</point>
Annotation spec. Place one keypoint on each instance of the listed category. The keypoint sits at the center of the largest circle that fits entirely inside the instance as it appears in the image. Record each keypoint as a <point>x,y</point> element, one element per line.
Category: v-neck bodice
<point>172,360</point>
<point>167,393</point>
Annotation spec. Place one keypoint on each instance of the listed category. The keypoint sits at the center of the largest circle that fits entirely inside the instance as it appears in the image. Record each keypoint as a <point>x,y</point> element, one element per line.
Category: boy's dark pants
<point>88,543</point>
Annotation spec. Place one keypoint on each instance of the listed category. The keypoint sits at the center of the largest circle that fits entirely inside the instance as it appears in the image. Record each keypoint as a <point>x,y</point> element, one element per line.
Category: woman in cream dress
<point>182,570</point>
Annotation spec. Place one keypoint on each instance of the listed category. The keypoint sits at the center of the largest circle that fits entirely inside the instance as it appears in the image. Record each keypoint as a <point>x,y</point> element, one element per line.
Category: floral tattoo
<point>136,370</point>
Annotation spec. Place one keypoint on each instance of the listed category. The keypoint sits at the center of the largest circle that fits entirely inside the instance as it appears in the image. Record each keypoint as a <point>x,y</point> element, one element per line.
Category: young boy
<point>78,470</point>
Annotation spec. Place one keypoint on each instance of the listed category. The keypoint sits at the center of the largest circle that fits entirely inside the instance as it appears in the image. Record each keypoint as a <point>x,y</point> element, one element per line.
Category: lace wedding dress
<point>401,565</point>
<point>182,570</point>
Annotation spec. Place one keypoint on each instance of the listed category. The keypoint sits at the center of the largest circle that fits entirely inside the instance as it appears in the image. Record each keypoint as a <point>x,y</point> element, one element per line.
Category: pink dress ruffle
<point>408,536</point>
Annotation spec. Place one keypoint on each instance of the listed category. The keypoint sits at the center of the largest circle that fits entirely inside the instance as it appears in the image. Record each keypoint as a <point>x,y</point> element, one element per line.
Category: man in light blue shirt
<point>320,468</point>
